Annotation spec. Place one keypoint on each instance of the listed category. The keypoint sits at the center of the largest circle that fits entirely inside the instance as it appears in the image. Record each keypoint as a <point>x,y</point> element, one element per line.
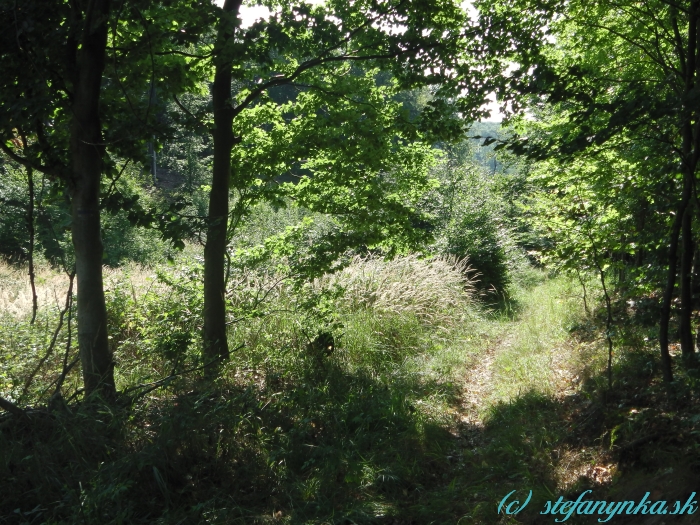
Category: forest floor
<point>401,426</point>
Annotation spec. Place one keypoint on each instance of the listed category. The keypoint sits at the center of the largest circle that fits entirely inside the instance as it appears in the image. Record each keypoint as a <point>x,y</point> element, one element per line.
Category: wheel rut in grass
<point>478,388</point>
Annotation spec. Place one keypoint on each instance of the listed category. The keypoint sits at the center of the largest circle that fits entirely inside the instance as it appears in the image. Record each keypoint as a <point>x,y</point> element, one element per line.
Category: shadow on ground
<point>641,437</point>
<point>324,445</point>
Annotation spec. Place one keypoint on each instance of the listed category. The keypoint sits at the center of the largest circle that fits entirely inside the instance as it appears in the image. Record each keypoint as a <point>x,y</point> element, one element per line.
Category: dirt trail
<point>478,388</point>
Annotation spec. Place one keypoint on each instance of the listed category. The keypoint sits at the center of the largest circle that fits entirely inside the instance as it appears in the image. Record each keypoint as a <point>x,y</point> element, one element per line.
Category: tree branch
<point>162,382</point>
<point>278,81</point>
<point>49,351</point>
<point>198,122</point>
<point>183,53</point>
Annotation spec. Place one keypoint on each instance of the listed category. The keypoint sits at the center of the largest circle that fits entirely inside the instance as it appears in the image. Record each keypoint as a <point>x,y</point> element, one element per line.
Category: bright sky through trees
<point>249,14</point>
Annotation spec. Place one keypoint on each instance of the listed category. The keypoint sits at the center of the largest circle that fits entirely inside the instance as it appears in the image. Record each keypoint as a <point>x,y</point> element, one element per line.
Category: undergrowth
<point>372,428</point>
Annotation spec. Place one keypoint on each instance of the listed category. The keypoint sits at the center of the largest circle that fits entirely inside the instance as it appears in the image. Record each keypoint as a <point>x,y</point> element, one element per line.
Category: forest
<point>396,262</point>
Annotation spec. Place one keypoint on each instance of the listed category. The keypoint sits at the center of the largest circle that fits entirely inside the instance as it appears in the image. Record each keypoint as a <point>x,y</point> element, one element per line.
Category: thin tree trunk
<point>689,152</point>
<point>686,329</point>
<point>31,229</point>
<point>608,308</point>
<point>688,159</point>
<point>152,145</point>
<point>608,303</point>
<point>86,159</point>
<point>695,281</point>
<point>641,223</point>
<point>585,294</point>
<point>215,341</point>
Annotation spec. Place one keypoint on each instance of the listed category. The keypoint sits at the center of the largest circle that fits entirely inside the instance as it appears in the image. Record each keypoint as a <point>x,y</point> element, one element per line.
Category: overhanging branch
<point>28,163</point>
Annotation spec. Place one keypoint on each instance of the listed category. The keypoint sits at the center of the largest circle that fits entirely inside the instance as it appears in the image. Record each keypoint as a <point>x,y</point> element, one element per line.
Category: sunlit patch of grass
<point>539,345</point>
<point>16,293</point>
<point>437,291</point>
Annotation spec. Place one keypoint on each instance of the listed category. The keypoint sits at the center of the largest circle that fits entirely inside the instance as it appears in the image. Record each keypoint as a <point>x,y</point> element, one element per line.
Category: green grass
<point>538,343</point>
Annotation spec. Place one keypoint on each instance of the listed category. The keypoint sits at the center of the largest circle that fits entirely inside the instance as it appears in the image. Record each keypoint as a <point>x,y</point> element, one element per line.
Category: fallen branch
<point>10,407</point>
<point>640,441</point>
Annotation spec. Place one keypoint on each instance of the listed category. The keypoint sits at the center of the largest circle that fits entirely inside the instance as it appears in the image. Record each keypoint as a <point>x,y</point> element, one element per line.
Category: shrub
<point>13,219</point>
<point>51,217</point>
<point>153,320</point>
<point>471,223</point>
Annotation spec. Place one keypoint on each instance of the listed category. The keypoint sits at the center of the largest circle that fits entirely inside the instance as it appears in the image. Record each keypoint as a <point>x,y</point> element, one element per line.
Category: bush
<point>122,241</point>
<point>471,223</point>
<point>51,217</point>
<point>153,320</point>
<point>13,219</point>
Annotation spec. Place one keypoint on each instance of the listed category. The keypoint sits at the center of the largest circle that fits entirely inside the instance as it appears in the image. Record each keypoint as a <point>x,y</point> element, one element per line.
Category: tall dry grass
<point>16,292</point>
<point>430,289</point>
<point>52,286</point>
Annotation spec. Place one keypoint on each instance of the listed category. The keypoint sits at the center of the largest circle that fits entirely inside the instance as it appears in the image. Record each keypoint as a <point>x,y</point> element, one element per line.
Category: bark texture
<point>215,341</point>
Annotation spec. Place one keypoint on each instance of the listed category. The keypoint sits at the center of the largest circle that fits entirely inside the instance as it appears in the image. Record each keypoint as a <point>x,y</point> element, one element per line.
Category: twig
<point>606,295</point>
<point>66,368</point>
<point>49,351</point>
<point>75,394</point>
<point>197,122</point>
<point>583,285</point>
<point>62,377</point>
<point>114,182</point>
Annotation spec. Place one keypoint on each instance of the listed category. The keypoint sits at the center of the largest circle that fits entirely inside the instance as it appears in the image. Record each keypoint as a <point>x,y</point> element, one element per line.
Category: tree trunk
<point>683,219</point>
<point>686,329</point>
<point>215,341</point>
<point>671,280</point>
<point>86,159</point>
<point>641,224</point>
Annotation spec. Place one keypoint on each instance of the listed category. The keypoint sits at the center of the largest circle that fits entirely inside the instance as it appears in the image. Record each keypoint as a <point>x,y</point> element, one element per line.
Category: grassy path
<point>534,419</point>
<point>532,350</point>
<point>513,420</point>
